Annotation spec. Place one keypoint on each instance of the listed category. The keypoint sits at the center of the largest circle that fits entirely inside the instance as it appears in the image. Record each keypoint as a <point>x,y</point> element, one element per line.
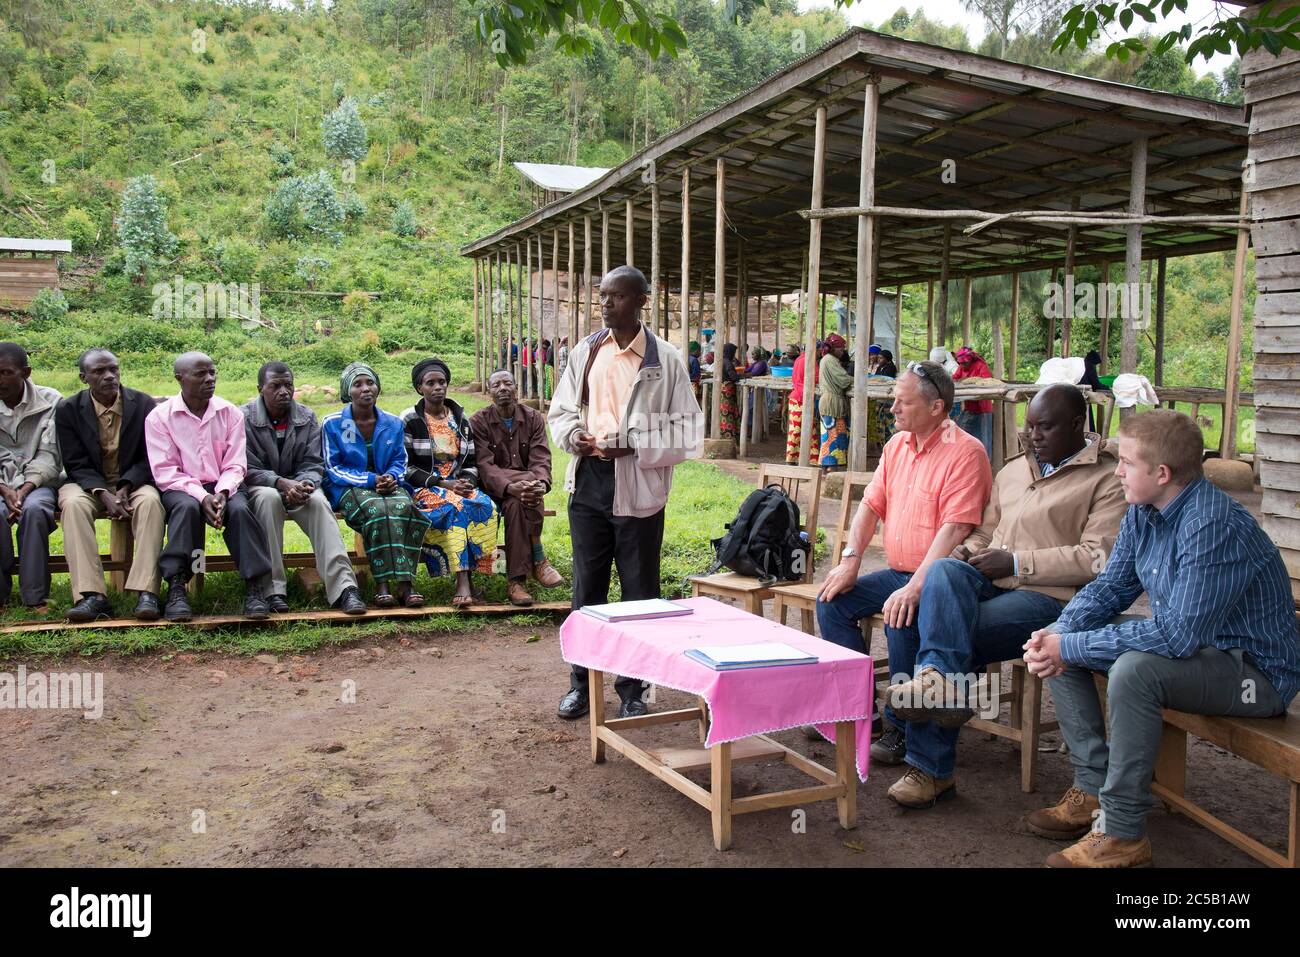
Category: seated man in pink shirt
<point>196,446</point>
<point>929,489</point>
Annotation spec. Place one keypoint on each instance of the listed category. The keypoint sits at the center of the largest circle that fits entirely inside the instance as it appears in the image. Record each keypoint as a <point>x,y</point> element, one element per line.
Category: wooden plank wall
<point>22,277</point>
<point>1272,94</point>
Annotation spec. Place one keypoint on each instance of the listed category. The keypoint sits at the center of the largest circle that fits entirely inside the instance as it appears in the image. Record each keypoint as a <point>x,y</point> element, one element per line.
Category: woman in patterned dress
<point>365,462</point>
<point>833,412</point>
<point>442,474</point>
<point>725,373</point>
<point>794,424</point>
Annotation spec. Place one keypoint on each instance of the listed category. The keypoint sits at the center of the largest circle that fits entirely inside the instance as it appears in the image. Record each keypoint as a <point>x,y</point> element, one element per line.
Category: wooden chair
<point>750,592</point>
<point>803,596</point>
<point>1024,725</point>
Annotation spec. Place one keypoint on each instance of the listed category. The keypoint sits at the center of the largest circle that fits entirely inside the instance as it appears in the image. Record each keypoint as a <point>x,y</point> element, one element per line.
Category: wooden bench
<point>122,545</point>
<point>1271,743</point>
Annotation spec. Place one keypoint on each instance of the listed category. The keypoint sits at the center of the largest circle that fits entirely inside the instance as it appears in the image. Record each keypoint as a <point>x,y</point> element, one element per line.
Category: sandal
<point>462,601</point>
<point>385,600</point>
<point>409,597</point>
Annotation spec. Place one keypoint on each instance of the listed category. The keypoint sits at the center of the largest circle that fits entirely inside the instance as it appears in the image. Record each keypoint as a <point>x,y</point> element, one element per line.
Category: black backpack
<point>763,541</point>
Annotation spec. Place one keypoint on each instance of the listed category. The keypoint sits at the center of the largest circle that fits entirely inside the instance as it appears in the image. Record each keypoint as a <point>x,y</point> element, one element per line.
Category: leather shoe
<point>350,602</point>
<point>146,607</point>
<point>255,606</point>
<point>178,605</point>
<point>574,704</point>
<point>277,604</point>
<point>518,595</point>
<point>633,708</point>
<point>92,607</point>
<point>546,575</point>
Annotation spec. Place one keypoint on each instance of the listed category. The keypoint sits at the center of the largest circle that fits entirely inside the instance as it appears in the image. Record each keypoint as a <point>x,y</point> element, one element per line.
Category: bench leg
<point>720,789</point>
<point>807,621</point>
<point>596,705</point>
<point>1031,721</point>
<point>778,609</point>
<point>1171,762</point>
<point>704,719</point>
<point>120,548</point>
<point>1293,842</point>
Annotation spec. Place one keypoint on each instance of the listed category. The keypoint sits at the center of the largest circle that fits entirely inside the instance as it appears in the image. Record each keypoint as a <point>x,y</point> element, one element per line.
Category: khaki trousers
<point>80,509</point>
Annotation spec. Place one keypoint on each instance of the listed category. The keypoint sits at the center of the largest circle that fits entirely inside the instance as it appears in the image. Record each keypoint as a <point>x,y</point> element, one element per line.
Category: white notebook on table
<point>769,654</point>
<point>636,610</point>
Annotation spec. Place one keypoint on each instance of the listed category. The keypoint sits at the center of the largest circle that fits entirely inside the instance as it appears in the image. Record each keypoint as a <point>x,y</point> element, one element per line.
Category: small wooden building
<point>26,267</point>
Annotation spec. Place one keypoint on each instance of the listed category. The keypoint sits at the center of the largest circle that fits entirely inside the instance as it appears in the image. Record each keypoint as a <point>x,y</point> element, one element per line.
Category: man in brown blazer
<point>514,467</point>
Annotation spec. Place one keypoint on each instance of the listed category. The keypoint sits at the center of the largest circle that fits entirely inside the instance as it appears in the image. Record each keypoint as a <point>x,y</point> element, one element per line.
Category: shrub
<point>237,258</point>
<point>305,205</point>
<point>355,305</point>
<point>404,219</point>
<point>342,132</point>
<point>142,226</point>
<point>80,228</point>
<point>49,304</point>
<point>282,156</point>
<point>354,207</point>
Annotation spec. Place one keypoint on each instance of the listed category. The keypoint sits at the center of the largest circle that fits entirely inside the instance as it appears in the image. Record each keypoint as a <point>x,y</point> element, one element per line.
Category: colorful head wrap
<point>350,374</point>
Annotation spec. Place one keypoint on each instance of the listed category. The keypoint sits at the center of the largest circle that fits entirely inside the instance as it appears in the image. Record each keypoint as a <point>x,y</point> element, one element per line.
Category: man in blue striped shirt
<point>1221,639</point>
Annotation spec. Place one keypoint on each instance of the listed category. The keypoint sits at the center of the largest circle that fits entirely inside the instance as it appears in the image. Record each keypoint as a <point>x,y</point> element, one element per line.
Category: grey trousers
<point>35,523</point>
<point>316,518</point>
<point>1139,686</point>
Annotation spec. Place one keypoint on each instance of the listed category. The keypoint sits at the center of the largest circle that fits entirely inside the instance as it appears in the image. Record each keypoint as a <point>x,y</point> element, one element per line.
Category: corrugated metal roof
<point>8,244</point>
<point>561,178</point>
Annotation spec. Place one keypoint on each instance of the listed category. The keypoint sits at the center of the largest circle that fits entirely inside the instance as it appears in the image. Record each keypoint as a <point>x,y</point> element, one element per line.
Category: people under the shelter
<point>928,453</point>
<point>101,441</point>
<point>728,380</point>
<point>1221,639</point>
<point>561,359</point>
<point>30,471</point>
<point>1049,524</point>
<point>833,405</point>
<point>1091,362</point>
<point>197,451</point>
<point>976,415</point>
<point>514,467</point>
<point>442,477</point>
<point>625,414</point>
<point>887,366</point>
<point>757,362</point>
<point>285,475</point>
<point>365,466</point>
<point>693,368</point>
<point>794,427</point>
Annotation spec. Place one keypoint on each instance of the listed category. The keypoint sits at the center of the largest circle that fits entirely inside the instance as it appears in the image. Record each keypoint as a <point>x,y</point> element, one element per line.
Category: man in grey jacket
<point>625,412</point>
<point>29,474</point>
<point>285,469</point>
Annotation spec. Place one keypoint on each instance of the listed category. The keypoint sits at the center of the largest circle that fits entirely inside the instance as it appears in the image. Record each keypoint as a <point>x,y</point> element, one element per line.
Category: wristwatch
<point>849,552</point>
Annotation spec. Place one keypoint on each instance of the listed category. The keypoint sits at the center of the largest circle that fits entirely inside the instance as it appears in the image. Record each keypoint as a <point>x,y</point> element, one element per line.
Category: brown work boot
<point>1068,820</point>
<point>916,789</point>
<point>546,574</point>
<point>930,697</point>
<point>1102,850</point>
<point>518,594</point>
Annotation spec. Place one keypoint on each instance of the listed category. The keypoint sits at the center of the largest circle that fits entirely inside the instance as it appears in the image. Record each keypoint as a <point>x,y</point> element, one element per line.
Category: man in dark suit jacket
<point>514,465</point>
<point>101,440</point>
<point>285,470</point>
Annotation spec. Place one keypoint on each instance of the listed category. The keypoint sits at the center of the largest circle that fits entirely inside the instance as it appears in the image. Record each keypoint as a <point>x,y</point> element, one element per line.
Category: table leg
<point>596,703</point>
<point>720,789</point>
<point>743,395</point>
<point>846,773</point>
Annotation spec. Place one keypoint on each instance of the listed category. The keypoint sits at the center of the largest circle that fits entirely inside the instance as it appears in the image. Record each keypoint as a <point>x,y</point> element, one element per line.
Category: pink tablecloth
<point>744,702</point>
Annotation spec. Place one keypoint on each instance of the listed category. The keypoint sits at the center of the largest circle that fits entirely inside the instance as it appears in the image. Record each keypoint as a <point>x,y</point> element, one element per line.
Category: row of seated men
<point>1044,561</point>
<point>173,467</point>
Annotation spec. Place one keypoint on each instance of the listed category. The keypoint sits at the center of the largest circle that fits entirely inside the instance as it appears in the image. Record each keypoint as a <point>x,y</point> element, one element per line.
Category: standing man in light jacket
<point>29,473</point>
<point>285,471</point>
<point>625,412</point>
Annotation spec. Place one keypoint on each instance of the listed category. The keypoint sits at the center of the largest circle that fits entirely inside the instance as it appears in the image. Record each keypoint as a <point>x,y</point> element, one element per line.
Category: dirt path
<point>447,737</point>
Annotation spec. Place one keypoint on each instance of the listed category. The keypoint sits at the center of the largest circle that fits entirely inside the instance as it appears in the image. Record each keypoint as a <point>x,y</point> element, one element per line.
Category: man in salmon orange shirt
<point>930,490</point>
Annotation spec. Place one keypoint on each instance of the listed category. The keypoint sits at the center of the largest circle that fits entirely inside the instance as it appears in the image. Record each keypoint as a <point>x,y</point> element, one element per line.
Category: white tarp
<point>8,245</point>
<point>558,178</point>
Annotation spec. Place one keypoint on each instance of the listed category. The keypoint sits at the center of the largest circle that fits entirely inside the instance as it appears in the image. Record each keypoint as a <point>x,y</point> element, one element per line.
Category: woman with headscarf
<point>1090,378</point>
<point>442,474</point>
<point>794,424</point>
<point>693,368</point>
<point>976,415</point>
<point>833,405</point>
<point>365,463</point>
<point>725,373</point>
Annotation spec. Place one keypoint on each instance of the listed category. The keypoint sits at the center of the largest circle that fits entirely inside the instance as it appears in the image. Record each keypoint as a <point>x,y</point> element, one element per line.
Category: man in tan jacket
<point>1047,530</point>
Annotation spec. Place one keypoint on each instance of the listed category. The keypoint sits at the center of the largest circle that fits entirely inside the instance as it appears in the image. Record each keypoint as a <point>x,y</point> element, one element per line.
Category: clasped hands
<point>530,492</point>
<point>584,443</point>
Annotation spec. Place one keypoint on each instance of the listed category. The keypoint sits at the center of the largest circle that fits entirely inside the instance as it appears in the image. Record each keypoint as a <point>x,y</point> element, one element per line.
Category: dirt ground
<point>452,755</point>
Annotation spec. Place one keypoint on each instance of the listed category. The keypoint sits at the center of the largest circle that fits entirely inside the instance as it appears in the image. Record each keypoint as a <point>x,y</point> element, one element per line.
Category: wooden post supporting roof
<point>1103,311</point>
<point>1160,323</point>
<point>627,228</point>
<point>929,321</point>
<point>866,275</point>
<point>1071,238</point>
<point>478,341</point>
<point>686,264</point>
<point>719,293</point>
<point>655,278</point>
<point>943,286</point>
<point>526,351</point>
<point>573,292</point>
<point>814,291</point>
<point>604,243</point>
<point>1015,324</point>
<point>1132,299</point>
<point>967,292</point>
<point>586,278</point>
<point>1228,439</point>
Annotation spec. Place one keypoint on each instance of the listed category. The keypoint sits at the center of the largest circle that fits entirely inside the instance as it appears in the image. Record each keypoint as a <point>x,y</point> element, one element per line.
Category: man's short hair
<point>934,381</point>
<point>14,353</point>
<point>269,369</point>
<point>633,275</point>
<point>1171,438</point>
<point>93,350</point>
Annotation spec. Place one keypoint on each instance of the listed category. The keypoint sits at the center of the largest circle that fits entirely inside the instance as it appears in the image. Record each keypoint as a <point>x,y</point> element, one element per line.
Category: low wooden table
<point>668,764</point>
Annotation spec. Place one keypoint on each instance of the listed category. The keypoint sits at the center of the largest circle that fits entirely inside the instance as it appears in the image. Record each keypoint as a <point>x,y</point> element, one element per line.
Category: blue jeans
<point>964,623</point>
<point>839,617</point>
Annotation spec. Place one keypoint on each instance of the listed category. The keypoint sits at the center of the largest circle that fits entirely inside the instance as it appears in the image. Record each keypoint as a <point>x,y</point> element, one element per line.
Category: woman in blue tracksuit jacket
<point>365,463</point>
